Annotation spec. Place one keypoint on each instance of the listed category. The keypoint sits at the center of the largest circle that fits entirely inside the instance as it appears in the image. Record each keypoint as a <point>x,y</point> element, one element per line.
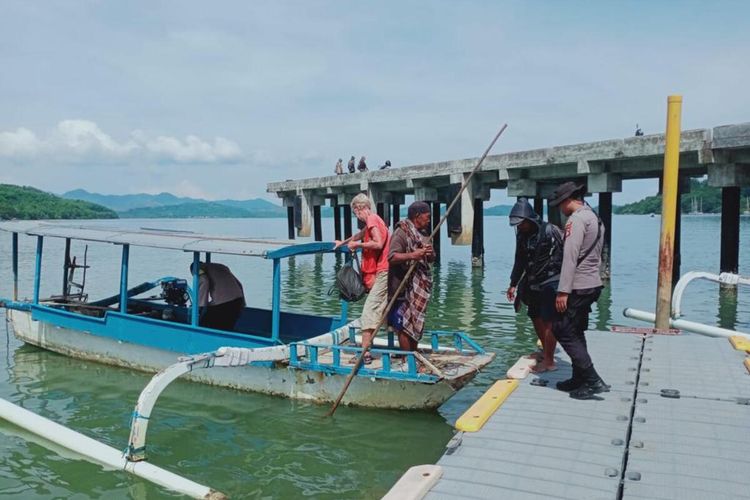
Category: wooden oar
<point>409,272</point>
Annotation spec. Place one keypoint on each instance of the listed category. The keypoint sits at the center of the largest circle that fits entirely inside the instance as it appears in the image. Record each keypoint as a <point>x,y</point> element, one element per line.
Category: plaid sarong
<point>414,307</point>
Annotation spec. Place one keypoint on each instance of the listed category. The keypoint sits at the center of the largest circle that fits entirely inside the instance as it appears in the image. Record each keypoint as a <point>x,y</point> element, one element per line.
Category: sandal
<point>366,361</point>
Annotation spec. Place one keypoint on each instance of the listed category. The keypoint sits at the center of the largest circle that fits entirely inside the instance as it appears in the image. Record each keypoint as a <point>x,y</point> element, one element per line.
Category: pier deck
<point>632,443</point>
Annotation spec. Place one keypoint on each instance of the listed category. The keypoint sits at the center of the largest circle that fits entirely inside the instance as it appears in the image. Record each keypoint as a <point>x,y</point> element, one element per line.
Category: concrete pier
<point>722,153</point>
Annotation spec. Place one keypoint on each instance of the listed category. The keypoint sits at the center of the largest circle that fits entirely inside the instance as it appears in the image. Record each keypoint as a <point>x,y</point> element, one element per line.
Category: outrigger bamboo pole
<point>409,272</point>
<point>668,212</point>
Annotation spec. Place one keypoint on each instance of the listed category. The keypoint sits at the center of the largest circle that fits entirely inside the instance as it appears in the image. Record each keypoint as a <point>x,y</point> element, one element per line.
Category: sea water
<point>255,446</point>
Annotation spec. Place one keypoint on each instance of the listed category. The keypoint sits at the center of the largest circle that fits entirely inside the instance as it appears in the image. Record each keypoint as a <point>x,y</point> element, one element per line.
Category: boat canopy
<point>170,239</point>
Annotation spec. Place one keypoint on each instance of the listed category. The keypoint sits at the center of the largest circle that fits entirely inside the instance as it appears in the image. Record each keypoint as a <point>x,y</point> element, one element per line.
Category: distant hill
<point>122,202</point>
<point>23,202</point>
<point>701,197</point>
<point>498,210</point>
<point>187,211</point>
<point>155,205</point>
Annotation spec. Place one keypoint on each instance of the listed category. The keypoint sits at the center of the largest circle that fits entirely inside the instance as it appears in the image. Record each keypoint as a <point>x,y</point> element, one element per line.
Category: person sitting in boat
<point>409,244</point>
<point>220,296</point>
<point>373,239</point>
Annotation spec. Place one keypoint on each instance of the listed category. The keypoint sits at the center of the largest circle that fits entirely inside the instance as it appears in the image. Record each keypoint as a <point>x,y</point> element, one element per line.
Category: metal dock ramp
<point>676,425</point>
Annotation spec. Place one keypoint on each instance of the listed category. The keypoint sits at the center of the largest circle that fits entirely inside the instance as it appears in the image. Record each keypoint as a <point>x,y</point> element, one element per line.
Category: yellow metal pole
<point>668,211</point>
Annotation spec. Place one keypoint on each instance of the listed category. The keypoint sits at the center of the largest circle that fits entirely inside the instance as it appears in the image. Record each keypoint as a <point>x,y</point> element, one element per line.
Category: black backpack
<point>349,281</point>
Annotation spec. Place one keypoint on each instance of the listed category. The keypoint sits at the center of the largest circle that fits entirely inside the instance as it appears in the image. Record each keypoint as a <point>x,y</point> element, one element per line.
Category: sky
<point>216,99</point>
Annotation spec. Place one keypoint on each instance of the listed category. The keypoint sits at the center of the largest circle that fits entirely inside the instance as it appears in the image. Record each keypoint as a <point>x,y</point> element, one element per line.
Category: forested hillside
<point>23,202</point>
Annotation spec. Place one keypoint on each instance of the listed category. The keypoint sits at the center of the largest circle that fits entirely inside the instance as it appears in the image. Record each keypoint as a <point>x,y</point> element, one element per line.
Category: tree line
<point>24,202</point>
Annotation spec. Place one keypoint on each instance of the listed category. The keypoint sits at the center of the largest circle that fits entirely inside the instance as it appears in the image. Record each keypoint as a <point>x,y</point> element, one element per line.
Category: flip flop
<point>541,369</point>
<point>366,361</point>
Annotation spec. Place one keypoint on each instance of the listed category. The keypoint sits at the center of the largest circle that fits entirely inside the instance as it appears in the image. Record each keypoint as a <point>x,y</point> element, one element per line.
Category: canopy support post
<point>38,268</point>
<point>208,257</point>
<point>196,284</point>
<point>124,279</point>
<point>15,266</point>
<point>66,267</point>
<point>276,300</point>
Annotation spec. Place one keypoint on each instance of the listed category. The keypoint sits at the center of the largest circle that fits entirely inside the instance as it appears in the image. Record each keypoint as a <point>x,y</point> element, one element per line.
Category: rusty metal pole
<point>668,211</point>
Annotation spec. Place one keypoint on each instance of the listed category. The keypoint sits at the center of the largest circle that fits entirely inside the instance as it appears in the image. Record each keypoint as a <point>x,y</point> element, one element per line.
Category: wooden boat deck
<point>637,441</point>
<point>449,363</point>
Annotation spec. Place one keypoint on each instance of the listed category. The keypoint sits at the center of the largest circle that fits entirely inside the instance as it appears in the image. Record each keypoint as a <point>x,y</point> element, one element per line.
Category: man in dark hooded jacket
<point>535,275</point>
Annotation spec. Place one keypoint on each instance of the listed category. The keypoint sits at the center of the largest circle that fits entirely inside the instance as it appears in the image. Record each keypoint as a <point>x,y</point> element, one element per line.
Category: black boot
<point>572,383</point>
<point>592,384</point>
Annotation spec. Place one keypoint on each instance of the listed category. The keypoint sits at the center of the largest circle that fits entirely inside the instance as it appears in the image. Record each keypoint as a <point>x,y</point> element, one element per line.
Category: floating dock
<point>676,425</point>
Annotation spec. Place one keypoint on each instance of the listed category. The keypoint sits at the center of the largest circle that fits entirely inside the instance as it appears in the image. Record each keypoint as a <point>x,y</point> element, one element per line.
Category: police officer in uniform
<point>579,287</point>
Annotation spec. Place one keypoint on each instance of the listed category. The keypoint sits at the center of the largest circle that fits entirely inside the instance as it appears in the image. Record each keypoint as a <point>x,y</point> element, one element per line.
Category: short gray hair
<point>361,201</point>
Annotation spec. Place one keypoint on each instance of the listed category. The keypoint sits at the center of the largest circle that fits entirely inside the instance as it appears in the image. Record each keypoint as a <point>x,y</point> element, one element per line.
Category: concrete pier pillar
<point>467,203</point>
<point>477,240</point>
<point>730,229</point>
<point>304,227</point>
<point>435,221</point>
<point>383,210</point>
<point>337,221</point>
<point>396,210</point>
<point>317,223</point>
<point>290,222</point>
<point>539,206</point>
<point>347,221</point>
<point>605,213</point>
<point>554,216</point>
<point>682,186</point>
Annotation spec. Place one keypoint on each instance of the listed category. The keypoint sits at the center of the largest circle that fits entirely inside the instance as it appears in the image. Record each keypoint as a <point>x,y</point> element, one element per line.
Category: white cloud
<point>83,142</point>
<point>19,144</point>
<point>193,149</point>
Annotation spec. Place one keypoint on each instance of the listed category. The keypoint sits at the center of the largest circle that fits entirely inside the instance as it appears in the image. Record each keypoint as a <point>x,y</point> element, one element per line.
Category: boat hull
<point>273,378</point>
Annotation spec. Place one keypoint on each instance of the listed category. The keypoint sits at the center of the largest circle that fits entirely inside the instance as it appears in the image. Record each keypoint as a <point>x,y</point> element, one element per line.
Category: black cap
<point>417,208</point>
<point>564,191</point>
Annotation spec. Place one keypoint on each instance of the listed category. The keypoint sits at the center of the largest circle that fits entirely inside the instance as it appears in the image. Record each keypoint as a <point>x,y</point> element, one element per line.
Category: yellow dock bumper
<point>476,416</point>
<point>740,343</point>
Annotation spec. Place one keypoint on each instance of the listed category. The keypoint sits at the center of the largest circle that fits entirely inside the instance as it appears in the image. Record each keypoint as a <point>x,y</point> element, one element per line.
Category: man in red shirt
<point>373,239</point>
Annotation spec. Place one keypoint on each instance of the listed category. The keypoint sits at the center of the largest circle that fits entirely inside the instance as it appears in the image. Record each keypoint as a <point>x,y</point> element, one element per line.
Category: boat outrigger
<point>276,352</point>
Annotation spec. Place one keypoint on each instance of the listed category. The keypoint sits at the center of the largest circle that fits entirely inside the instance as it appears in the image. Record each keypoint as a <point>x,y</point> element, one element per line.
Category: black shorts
<point>541,303</point>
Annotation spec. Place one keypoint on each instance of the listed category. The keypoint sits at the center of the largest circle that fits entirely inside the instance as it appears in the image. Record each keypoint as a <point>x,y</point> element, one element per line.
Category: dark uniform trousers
<point>570,327</point>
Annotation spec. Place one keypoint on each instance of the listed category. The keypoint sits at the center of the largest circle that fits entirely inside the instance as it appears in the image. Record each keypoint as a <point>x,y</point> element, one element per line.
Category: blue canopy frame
<point>174,240</point>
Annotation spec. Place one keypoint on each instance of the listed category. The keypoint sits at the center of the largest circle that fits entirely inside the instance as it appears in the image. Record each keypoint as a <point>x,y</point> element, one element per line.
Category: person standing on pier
<point>535,276</point>
<point>374,240</point>
<point>580,286</point>
<point>409,244</point>
<point>362,167</point>
<point>339,169</point>
<point>350,166</point>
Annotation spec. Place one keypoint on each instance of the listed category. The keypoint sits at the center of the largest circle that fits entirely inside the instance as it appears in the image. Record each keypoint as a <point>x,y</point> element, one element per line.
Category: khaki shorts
<point>375,303</point>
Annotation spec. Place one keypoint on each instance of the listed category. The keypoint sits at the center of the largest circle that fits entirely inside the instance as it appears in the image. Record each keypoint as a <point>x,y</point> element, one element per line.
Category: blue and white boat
<point>276,352</point>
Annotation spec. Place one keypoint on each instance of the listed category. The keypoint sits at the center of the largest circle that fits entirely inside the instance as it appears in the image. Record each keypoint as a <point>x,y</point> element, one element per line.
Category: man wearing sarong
<point>409,244</point>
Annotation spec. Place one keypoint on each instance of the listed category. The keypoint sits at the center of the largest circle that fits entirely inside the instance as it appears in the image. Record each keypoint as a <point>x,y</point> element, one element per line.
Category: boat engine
<point>175,292</point>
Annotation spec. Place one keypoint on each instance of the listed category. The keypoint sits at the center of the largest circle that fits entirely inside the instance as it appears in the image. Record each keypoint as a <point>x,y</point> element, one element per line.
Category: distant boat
<point>651,215</point>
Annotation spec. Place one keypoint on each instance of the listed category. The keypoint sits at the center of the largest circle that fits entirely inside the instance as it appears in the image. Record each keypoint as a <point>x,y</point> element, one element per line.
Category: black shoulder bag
<point>349,281</point>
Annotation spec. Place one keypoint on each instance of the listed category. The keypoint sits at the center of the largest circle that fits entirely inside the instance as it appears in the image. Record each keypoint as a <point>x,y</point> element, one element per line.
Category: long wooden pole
<point>409,272</point>
<point>668,212</point>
